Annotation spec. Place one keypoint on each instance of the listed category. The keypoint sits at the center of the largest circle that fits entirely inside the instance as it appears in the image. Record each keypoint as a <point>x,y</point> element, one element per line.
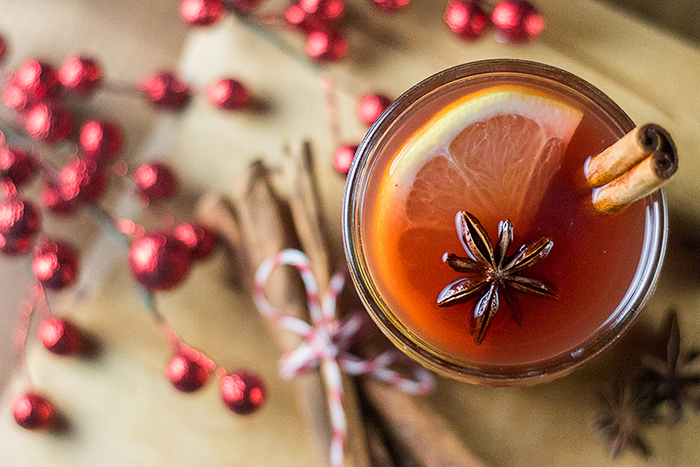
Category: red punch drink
<point>446,278</point>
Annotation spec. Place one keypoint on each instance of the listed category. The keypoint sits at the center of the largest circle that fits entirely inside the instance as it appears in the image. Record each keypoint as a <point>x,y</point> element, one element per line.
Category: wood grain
<point>122,409</point>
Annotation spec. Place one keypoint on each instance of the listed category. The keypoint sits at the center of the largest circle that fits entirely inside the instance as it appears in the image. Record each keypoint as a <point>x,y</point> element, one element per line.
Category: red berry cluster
<point>318,19</point>
<point>369,109</point>
<point>159,260</point>
<point>514,20</point>
<point>243,392</point>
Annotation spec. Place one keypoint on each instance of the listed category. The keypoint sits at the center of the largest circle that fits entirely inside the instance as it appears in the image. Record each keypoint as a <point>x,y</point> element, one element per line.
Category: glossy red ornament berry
<point>166,91</point>
<point>16,97</point>
<point>244,6</point>
<point>342,159</point>
<point>101,141</point>
<point>19,221</point>
<point>49,122</point>
<point>3,48</point>
<point>55,265</point>
<point>33,411</point>
<point>200,240</point>
<point>82,180</point>
<point>80,75</point>
<point>517,20</point>
<point>371,107</point>
<point>7,189</point>
<point>326,46</point>
<point>391,5</point>
<point>159,261</point>
<point>305,22</point>
<point>243,392</point>
<point>155,181</point>
<point>39,79</point>
<point>228,94</point>
<point>326,9</point>
<point>16,165</point>
<point>60,337</point>
<point>202,12</point>
<point>466,18</point>
<point>186,373</point>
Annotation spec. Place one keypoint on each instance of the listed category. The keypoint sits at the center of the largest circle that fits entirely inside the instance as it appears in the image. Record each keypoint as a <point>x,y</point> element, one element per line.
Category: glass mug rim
<point>653,250</point>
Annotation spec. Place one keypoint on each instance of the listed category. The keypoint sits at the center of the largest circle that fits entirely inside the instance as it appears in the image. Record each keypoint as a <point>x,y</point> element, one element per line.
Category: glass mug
<point>404,190</point>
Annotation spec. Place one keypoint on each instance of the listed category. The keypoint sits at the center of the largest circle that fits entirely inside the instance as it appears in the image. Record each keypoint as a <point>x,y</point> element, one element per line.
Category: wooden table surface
<point>122,409</point>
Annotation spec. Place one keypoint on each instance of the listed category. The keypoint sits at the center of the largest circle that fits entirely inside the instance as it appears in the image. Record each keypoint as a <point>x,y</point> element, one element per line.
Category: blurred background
<point>134,37</point>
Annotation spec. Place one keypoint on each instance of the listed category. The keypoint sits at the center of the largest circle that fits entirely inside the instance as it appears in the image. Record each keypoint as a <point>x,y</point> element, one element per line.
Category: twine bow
<point>326,341</point>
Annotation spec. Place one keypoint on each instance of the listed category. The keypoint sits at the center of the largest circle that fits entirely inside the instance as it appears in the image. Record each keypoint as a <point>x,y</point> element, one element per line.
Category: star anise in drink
<point>491,274</point>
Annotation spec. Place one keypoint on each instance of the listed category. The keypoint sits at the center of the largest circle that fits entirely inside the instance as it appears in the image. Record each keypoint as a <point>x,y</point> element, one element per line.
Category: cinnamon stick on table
<point>417,429</point>
<point>259,225</point>
<point>307,213</point>
<point>635,166</point>
<point>265,230</point>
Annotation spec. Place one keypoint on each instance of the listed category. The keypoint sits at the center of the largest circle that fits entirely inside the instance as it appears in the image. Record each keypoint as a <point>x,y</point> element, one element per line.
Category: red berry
<point>32,411</point>
<point>466,18</point>
<point>342,159</point>
<point>19,221</point>
<point>60,337</point>
<point>243,392</point>
<point>16,164</point>
<point>186,374</point>
<point>80,75</point>
<point>3,48</point>
<point>371,107</point>
<point>326,46</point>
<point>200,240</point>
<point>166,91</point>
<point>155,181</point>
<point>101,141</point>
<point>53,198</point>
<point>82,180</point>
<point>306,22</point>
<point>159,261</point>
<point>326,9</point>
<point>227,94</point>
<point>391,5</point>
<point>517,20</point>
<point>16,97</point>
<point>202,12</point>
<point>55,265</point>
<point>49,122</point>
<point>244,6</point>
<point>39,79</point>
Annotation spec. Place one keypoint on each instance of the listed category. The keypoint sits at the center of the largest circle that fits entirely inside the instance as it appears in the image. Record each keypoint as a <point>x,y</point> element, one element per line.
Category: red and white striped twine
<point>326,341</point>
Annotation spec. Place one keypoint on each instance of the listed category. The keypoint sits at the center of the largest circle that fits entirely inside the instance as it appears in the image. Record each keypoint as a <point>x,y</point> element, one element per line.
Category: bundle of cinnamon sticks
<point>257,222</point>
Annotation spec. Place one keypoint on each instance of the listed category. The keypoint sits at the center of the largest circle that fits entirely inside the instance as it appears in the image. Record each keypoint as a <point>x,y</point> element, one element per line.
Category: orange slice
<point>493,152</point>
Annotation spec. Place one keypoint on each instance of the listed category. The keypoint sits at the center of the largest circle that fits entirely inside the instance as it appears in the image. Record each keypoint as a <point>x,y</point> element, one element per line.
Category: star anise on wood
<point>677,377</point>
<point>490,273</point>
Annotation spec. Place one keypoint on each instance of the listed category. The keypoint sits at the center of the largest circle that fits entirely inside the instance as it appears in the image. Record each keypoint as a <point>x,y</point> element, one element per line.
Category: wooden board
<point>121,407</point>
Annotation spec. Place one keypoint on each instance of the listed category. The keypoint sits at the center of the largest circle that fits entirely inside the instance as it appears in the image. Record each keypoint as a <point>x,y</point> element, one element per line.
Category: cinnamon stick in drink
<point>635,166</point>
